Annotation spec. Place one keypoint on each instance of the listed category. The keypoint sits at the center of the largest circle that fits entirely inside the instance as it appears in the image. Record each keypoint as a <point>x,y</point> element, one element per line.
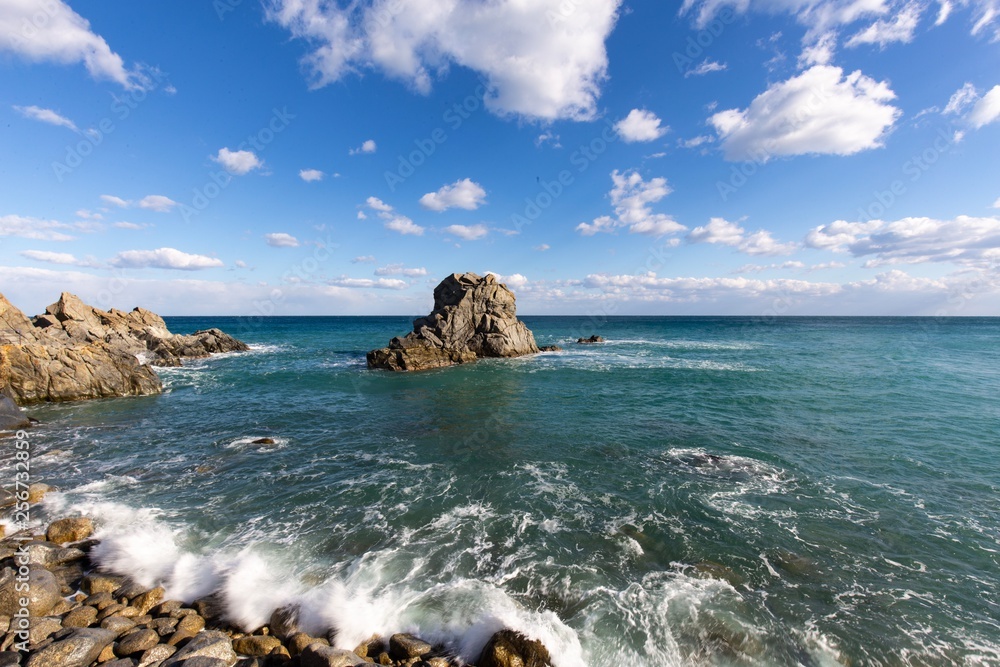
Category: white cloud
<point>238,162</point>
<point>381,283</point>
<point>695,142</point>
<point>464,194</point>
<point>513,281</point>
<point>129,225</point>
<point>240,264</point>
<point>467,232</point>
<point>899,28</point>
<point>987,109</point>
<point>157,203</point>
<point>368,146</point>
<point>631,197</point>
<point>311,175</point>
<point>391,220</point>
<point>400,270</point>
<point>364,259</point>
<point>961,99</point>
<point>723,232</point>
<point>164,258</point>
<point>965,240</point>
<point>550,137</point>
<point>545,59</point>
<point>88,215</point>
<point>33,228</point>
<point>63,258</point>
<point>281,240</point>
<point>819,111</point>
<point>706,67</point>
<point>996,204</point>
<point>114,201</point>
<point>690,288</point>
<point>640,125</point>
<point>790,265</point>
<point>820,51</point>
<point>46,116</point>
<point>543,247</point>
<point>53,32</point>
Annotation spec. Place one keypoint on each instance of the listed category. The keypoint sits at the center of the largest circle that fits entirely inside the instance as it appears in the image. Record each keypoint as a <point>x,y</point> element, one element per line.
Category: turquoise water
<point>718,491</point>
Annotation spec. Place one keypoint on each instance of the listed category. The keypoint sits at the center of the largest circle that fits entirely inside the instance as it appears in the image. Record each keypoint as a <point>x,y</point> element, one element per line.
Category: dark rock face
<point>473,317</point>
<point>593,339</point>
<point>508,648</point>
<point>75,351</point>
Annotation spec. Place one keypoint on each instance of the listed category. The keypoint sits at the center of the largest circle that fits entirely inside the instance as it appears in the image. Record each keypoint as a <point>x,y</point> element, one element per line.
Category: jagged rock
<point>508,648</point>
<point>550,348</point>
<point>11,417</point>
<point>209,644</point>
<point>78,650</point>
<point>473,317</point>
<point>404,646</point>
<point>593,339</point>
<point>75,351</point>
<point>71,529</point>
<point>317,655</point>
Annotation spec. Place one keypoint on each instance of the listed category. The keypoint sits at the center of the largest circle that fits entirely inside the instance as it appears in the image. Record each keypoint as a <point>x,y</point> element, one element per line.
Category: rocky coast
<point>58,609</point>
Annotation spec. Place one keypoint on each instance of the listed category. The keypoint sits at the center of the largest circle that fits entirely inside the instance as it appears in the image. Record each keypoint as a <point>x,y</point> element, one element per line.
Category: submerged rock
<point>473,317</point>
<point>74,351</point>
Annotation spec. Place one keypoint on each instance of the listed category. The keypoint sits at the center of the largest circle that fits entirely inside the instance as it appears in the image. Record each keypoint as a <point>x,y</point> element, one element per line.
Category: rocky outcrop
<point>75,351</point>
<point>593,339</point>
<point>473,317</point>
<point>508,648</point>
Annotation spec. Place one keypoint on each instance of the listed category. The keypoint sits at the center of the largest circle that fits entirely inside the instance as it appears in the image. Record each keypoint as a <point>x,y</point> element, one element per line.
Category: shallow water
<point>718,491</point>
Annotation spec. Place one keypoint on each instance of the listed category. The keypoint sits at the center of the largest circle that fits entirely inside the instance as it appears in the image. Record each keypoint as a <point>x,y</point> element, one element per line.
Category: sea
<point>692,491</point>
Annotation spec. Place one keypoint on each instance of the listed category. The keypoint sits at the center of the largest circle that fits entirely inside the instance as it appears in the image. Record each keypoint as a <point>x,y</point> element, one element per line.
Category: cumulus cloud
<point>514,280</point>
<point>544,59</point>
<point>632,197</point>
<point>467,232</point>
<point>238,163</point>
<point>381,283</point>
<point>819,111</point>
<point>63,258</point>
<point>965,240</point>
<point>464,194</point>
<point>33,228</point>
<point>53,32</point>
<point>114,201</point>
<point>311,175</point>
<point>987,109</point>
<point>157,203</point>
<point>898,28</point>
<point>721,231</point>
<point>392,220</point>
<point>281,240</point>
<point>640,125</point>
<point>400,270</point>
<point>164,258</point>
<point>46,116</point>
<point>368,146</point>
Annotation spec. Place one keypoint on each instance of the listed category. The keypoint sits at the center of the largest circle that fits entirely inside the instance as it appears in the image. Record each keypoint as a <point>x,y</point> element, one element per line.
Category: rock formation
<point>74,351</point>
<point>593,339</point>
<point>473,317</point>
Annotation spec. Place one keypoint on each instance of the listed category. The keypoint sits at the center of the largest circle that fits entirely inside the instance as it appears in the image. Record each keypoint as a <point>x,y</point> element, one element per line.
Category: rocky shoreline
<point>57,609</point>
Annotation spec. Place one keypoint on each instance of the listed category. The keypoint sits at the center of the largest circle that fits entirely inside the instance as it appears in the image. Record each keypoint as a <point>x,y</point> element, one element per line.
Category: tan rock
<point>71,529</point>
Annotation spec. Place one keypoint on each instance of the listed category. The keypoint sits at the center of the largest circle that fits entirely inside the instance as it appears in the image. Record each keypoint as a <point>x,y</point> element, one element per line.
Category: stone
<point>136,641</point>
<point>192,623</point>
<point>50,555</point>
<point>550,348</point>
<point>120,662</point>
<point>256,645</point>
<point>210,644</point>
<point>404,646</point>
<point>41,628</point>
<point>262,441</point>
<point>146,601</point>
<point>165,608</point>
<point>101,583</point>
<point>99,600</point>
<point>79,649</point>
<point>12,417</point>
<point>43,592</point>
<point>316,655</point>
<point>284,622</point>
<point>128,590</point>
<point>212,608</point>
<point>37,492</point>
<point>298,642</point>
<point>593,339</point>
<point>81,617</point>
<point>473,317</point>
<point>10,659</point>
<point>163,626</point>
<point>73,529</point>
<point>119,625</point>
<point>508,648</point>
<point>156,654</point>
<point>111,610</point>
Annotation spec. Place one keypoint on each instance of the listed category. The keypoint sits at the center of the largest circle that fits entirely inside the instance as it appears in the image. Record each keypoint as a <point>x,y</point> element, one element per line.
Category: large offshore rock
<point>75,351</point>
<point>473,317</point>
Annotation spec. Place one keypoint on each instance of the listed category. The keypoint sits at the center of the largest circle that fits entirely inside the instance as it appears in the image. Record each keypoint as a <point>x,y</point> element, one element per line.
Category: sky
<point>290,157</point>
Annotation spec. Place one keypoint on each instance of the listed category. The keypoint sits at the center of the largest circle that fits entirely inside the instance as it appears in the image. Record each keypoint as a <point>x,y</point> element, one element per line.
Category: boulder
<point>11,416</point>
<point>550,348</point>
<point>404,646</point>
<point>210,645</point>
<point>508,648</point>
<point>42,595</point>
<point>284,622</point>
<point>137,641</point>
<point>317,655</point>
<point>473,317</point>
<point>79,649</point>
<point>256,645</point>
<point>69,530</point>
<point>593,339</point>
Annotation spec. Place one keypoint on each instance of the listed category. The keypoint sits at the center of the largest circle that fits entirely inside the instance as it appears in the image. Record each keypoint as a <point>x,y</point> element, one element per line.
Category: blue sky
<point>752,157</point>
